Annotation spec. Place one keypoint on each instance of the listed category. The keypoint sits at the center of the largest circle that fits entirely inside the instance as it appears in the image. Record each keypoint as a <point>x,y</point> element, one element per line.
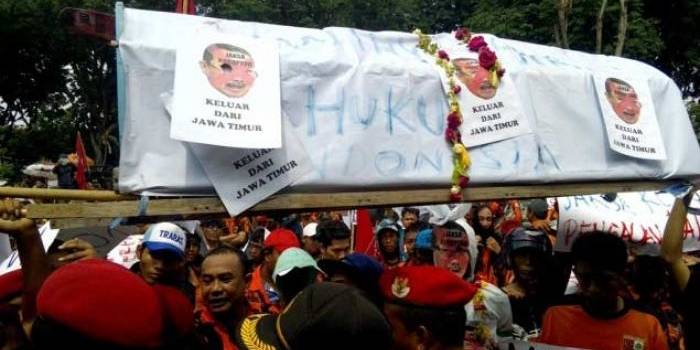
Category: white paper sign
<point>227,91</point>
<point>243,177</point>
<point>489,113</point>
<point>124,253</point>
<point>638,218</point>
<point>12,263</point>
<point>629,116</point>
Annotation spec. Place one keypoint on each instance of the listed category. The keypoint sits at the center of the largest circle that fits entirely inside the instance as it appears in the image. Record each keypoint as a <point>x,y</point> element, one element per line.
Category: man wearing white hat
<point>309,242</point>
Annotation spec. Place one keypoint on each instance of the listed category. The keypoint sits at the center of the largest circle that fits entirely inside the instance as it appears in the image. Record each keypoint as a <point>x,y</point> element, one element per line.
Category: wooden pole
<point>62,194</point>
<point>343,200</point>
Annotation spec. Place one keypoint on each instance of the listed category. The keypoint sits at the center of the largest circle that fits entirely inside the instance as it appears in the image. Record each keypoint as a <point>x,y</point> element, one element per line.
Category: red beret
<point>281,239</point>
<point>428,286</point>
<point>103,301</point>
<point>11,284</point>
<point>177,309</point>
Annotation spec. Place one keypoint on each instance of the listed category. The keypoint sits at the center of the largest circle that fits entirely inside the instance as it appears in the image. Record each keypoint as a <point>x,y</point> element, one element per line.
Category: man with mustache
<point>488,313</point>
<point>623,100</point>
<point>474,77</point>
<point>229,69</point>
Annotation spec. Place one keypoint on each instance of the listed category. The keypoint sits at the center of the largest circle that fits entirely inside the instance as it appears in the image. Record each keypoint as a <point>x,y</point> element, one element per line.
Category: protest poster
<point>491,112</point>
<point>630,119</point>
<point>639,218</point>
<point>227,91</point>
<point>12,262</point>
<point>244,177</point>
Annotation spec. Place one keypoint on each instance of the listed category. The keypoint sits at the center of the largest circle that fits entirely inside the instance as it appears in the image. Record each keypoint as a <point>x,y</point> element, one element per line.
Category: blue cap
<point>424,239</point>
<point>364,265</point>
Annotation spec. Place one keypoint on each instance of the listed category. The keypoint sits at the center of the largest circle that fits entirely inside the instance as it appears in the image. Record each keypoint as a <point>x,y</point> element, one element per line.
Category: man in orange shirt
<point>261,293</point>
<point>604,320</point>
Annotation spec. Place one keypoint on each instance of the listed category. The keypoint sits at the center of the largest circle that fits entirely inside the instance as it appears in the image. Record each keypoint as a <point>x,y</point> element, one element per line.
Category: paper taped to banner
<point>12,262</point>
<point>638,218</point>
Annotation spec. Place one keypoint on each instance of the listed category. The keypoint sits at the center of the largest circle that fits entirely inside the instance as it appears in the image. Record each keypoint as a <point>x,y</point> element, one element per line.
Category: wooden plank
<point>62,194</point>
<point>306,201</point>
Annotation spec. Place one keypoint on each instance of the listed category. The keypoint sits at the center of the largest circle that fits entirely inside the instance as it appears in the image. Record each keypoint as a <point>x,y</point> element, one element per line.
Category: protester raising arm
<point>35,264</point>
<point>672,244</point>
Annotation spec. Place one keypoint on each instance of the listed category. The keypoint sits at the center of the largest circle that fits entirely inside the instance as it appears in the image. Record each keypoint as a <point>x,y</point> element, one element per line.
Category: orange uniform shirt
<point>258,299</point>
<point>572,326</point>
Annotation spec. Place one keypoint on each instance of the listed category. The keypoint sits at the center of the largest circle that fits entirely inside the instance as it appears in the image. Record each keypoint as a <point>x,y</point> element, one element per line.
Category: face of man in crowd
<point>485,217</point>
<point>311,246</point>
<point>599,290</point>
<point>408,219</point>
<point>212,234</point>
<point>474,77</point>
<point>403,339</point>
<point>191,251</point>
<point>230,72</point>
<point>624,101</point>
<point>389,240</point>
<point>451,250</point>
<point>270,259</point>
<point>223,282</point>
<point>409,242</point>
<point>337,250</point>
<point>160,266</point>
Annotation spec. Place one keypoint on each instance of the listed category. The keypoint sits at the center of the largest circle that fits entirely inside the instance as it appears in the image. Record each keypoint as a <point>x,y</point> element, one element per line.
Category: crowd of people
<point>466,277</point>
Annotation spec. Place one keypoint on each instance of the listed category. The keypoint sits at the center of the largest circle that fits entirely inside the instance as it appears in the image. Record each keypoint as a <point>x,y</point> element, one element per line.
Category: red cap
<point>104,301</point>
<point>425,286</point>
<point>281,239</point>
<point>11,284</point>
<point>177,309</point>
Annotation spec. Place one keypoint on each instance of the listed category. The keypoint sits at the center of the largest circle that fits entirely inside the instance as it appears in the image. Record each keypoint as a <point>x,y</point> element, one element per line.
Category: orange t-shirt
<point>572,326</point>
<point>257,296</point>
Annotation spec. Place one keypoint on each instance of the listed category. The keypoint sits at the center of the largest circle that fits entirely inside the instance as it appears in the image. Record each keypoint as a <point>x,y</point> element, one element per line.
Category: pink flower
<point>463,181</point>
<point>443,55</point>
<point>462,33</point>
<point>456,89</point>
<point>501,72</point>
<point>453,120</point>
<point>487,58</point>
<point>477,43</point>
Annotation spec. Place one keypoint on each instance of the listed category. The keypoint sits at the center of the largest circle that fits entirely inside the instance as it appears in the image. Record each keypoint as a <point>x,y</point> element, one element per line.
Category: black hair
<point>207,56</point>
<point>257,236</point>
<point>649,275</point>
<point>410,210</point>
<point>446,325</point>
<point>213,222</point>
<point>223,250</point>
<point>616,81</point>
<point>295,281</point>
<point>193,238</point>
<point>329,230</point>
<point>601,251</point>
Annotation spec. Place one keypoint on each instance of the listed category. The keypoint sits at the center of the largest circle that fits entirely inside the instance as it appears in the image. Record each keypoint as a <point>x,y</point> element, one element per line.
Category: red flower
<point>455,197</point>
<point>453,120</point>
<point>452,135</point>
<point>477,43</point>
<point>443,55</point>
<point>456,89</point>
<point>462,33</point>
<point>463,181</point>
<point>487,58</point>
<point>501,72</point>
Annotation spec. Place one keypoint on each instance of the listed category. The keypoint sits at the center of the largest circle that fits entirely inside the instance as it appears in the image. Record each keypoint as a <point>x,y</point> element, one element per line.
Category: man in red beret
<point>418,317</point>
<point>261,293</point>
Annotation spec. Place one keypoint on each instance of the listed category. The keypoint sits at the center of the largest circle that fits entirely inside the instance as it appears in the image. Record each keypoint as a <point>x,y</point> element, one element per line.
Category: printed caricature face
<point>229,71</point>
<point>474,77</point>
<point>451,250</point>
<point>623,100</point>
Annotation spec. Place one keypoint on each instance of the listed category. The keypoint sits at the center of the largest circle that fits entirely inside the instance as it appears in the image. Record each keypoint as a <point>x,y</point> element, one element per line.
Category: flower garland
<point>488,60</point>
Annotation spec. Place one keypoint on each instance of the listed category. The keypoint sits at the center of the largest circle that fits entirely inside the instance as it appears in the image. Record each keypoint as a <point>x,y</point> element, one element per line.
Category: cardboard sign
<point>629,116</point>
<point>490,113</point>
<point>227,91</point>
<point>12,262</point>
<point>243,177</point>
<point>638,218</point>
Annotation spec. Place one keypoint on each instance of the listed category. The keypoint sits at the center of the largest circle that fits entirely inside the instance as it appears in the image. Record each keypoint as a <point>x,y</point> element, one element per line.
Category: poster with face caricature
<point>227,91</point>
<point>629,116</point>
<point>490,113</point>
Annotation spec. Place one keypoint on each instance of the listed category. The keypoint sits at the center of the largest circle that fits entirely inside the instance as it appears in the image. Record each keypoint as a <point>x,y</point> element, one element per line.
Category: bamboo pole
<point>62,194</point>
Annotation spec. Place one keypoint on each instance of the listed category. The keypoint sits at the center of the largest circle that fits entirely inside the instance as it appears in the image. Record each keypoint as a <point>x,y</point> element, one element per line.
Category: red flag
<point>364,232</point>
<point>80,177</point>
<point>185,6</point>
<point>91,23</point>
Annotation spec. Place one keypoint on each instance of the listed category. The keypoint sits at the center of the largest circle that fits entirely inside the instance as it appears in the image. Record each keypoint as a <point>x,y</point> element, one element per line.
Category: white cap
<point>310,229</point>
<point>165,236</point>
